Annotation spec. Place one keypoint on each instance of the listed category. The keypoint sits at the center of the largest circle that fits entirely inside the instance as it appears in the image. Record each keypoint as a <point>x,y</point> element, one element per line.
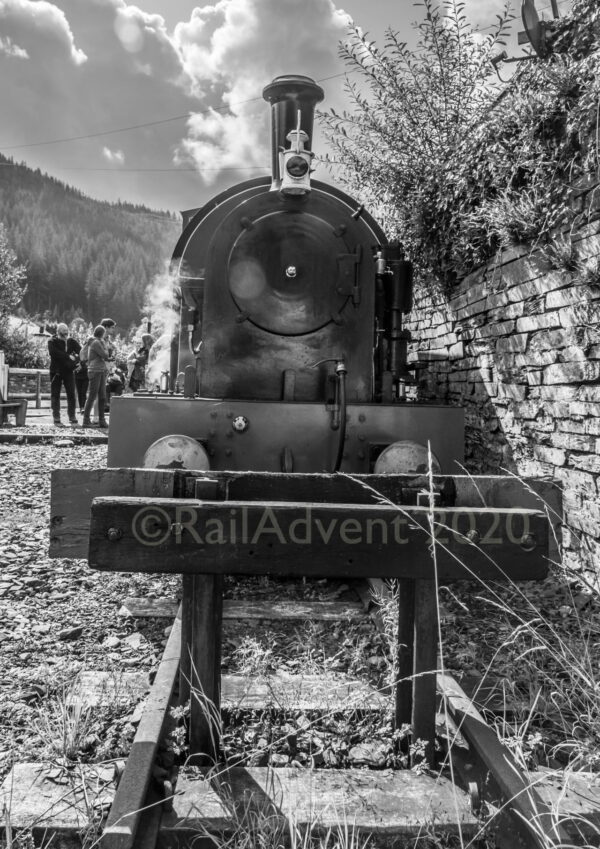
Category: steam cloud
<point>230,51</point>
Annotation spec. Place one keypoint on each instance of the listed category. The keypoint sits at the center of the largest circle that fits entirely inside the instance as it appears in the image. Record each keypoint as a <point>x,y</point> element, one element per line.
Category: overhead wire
<point>119,170</point>
<point>180,117</point>
<point>155,123</point>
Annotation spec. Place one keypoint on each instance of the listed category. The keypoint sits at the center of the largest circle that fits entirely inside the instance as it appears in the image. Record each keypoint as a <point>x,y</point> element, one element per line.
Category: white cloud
<point>231,50</point>
<point>28,22</point>
<point>101,64</point>
<point>113,156</point>
<point>55,95</point>
<point>483,13</point>
<point>7,46</point>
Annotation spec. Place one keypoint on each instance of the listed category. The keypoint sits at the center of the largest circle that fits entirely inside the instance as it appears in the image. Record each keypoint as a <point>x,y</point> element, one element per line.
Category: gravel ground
<point>57,617</point>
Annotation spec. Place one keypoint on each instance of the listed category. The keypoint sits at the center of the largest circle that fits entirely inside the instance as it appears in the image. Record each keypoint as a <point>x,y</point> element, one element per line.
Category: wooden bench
<point>18,407</point>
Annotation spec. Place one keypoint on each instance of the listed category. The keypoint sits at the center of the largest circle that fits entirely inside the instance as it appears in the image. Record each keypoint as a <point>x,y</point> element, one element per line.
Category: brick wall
<point>518,346</point>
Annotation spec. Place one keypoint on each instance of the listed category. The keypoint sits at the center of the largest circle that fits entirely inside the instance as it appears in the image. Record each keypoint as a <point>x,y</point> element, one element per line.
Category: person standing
<point>137,362</point>
<point>80,372</point>
<point>109,325</point>
<point>62,365</point>
<point>98,357</point>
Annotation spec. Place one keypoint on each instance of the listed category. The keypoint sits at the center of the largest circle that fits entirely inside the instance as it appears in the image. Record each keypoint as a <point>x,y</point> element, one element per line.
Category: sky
<point>159,102</point>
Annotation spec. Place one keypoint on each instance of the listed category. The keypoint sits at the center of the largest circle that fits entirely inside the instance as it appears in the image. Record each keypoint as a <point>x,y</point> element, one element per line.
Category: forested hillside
<point>82,256</point>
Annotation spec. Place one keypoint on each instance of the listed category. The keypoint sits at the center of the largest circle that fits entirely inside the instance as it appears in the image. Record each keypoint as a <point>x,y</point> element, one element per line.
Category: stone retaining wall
<point>518,346</point>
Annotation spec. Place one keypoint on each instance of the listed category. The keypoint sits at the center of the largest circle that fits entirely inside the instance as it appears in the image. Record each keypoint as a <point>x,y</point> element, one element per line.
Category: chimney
<point>289,95</point>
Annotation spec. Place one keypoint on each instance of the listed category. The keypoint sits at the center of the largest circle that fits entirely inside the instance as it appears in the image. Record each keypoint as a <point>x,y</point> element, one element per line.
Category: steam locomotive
<point>289,354</point>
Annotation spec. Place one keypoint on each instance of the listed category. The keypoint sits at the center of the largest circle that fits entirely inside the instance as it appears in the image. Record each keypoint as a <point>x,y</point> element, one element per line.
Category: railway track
<point>289,694</point>
<point>160,803</point>
<point>191,806</point>
<point>142,812</point>
<point>166,801</point>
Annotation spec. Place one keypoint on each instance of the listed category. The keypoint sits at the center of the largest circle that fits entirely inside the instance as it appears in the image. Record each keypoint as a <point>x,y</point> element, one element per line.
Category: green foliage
<point>21,350</point>
<point>82,256</point>
<point>12,276</point>
<point>13,342</point>
<point>456,163</point>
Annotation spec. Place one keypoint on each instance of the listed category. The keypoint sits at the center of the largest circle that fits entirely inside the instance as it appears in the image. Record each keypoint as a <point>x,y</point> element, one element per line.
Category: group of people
<point>88,373</point>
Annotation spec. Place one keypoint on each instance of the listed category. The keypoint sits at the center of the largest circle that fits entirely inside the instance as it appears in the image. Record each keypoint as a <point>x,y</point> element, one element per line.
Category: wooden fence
<point>30,383</point>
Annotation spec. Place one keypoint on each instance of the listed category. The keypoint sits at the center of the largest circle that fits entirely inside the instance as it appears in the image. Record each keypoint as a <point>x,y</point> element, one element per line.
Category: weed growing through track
<point>64,726</point>
<point>538,643</point>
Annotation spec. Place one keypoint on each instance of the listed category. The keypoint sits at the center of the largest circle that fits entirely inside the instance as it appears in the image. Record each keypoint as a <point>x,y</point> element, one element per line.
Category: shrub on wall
<point>456,162</point>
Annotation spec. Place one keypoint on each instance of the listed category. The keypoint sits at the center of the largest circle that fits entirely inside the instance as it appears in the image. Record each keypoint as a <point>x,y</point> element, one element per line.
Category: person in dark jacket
<point>80,372</point>
<point>137,362</point>
<point>62,366</point>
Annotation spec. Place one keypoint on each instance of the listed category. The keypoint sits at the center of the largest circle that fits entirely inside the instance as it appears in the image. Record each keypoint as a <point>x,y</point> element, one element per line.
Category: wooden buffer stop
<point>421,532</point>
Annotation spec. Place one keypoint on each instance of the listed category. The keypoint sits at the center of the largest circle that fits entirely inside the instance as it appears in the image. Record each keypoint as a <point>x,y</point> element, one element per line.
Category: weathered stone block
<point>536,469</point>
<point>512,391</point>
<point>572,499</point>
<point>574,442</point>
<point>589,514</point>
<point>554,456</point>
<point>541,426</point>
<point>592,426</point>
<point>584,408</point>
<point>589,393</point>
<point>525,290</point>
<point>534,377</point>
<point>538,322</point>
<point>586,313</point>
<point>557,409</point>
<point>536,359</point>
<point>573,372</point>
<point>571,426</point>
<point>497,328</point>
<point>456,351</point>
<point>498,299</point>
<point>550,339</point>
<point>572,354</point>
<point>587,462</point>
<point>517,342</point>
<point>512,310</point>
<point>505,361</point>
<point>558,393</point>
<point>527,409</point>
<point>577,480</point>
<point>589,247</point>
<point>562,298</point>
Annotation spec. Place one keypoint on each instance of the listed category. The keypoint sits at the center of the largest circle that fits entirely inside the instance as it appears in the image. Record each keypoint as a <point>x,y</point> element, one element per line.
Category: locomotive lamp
<point>295,166</point>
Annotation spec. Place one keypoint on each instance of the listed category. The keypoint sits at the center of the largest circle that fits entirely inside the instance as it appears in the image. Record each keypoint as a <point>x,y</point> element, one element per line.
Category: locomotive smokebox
<point>289,95</point>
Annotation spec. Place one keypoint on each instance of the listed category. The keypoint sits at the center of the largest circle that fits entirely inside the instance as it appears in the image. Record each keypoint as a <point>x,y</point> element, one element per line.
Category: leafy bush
<point>12,276</point>
<point>21,350</point>
<point>456,163</point>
